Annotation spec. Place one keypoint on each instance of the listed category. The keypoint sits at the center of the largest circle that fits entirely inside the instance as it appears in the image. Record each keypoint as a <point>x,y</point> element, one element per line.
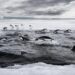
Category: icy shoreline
<point>38,69</point>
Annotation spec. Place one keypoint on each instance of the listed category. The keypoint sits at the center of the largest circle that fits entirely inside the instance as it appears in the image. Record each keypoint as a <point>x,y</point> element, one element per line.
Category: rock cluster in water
<point>21,51</point>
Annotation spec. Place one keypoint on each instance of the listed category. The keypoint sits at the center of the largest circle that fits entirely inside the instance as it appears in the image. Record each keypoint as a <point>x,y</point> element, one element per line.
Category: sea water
<point>39,24</point>
<point>39,68</point>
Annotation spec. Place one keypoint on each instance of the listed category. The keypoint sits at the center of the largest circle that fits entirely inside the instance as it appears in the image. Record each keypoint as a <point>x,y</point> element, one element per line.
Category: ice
<point>39,69</point>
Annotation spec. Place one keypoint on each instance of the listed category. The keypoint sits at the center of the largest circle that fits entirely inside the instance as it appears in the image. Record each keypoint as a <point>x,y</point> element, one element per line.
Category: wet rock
<point>25,37</point>
<point>11,59</point>
<point>1,45</point>
<point>72,38</point>
<point>51,54</point>
<point>73,49</point>
<point>67,31</point>
<point>44,37</point>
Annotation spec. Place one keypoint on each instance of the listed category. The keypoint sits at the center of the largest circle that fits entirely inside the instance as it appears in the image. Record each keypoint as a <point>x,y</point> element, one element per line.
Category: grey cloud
<point>51,13</point>
<point>29,7</point>
<point>38,3</point>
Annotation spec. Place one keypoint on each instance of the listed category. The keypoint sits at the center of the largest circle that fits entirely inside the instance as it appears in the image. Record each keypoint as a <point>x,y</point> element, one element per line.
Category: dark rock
<point>1,45</point>
<point>25,38</point>
<point>11,59</point>
<point>56,31</point>
<point>44,37</point>
<point>50,54</point>
<point>67,31</point>
<point>73,49</point>
<point>72,38</point>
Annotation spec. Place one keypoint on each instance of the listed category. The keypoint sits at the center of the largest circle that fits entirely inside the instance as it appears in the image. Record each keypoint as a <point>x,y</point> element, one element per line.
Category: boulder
<point>73,49</point>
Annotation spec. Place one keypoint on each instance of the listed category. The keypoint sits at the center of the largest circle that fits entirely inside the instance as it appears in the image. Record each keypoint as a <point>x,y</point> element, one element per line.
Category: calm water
<point>39,24</point>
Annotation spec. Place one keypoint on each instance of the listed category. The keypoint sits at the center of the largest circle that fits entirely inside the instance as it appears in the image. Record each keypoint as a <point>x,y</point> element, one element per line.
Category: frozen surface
<point>39,69</point>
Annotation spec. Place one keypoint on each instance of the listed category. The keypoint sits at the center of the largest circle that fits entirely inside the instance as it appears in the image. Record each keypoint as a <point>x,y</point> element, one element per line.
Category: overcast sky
<point>38,8</point>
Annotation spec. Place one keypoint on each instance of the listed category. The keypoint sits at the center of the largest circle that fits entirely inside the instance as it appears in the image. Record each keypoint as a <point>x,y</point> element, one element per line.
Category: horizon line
<point>33,18</point>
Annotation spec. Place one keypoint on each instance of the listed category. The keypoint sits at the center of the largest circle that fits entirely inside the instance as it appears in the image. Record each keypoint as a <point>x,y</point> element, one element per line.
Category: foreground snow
<point>38,69</point>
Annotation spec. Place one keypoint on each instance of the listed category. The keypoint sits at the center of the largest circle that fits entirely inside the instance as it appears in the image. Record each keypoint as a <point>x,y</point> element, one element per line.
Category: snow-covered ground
<point>38,69</point>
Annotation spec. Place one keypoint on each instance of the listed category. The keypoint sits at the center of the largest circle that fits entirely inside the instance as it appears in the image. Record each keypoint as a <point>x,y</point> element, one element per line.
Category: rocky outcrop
<point>44,37</point>
<point>18,52</point>
<point>7,59</point>
<point>73,49</point>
